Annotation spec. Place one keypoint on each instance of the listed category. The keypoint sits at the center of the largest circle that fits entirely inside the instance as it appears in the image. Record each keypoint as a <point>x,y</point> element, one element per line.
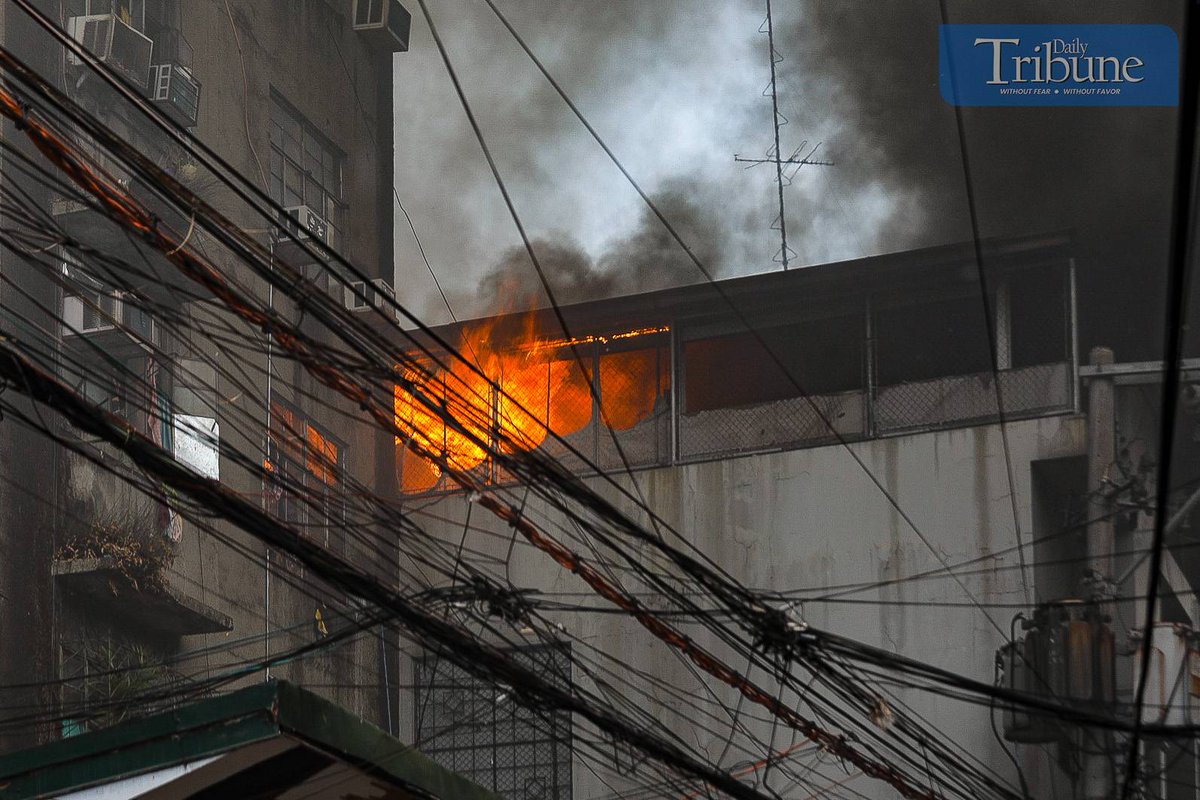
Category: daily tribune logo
<point>1053,65</point>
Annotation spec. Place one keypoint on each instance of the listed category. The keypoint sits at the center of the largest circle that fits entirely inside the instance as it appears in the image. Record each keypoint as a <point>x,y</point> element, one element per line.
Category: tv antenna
<point>773,156</point>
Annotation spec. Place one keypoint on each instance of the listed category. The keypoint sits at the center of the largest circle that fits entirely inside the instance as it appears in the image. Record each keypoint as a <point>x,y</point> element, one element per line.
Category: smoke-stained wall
<point>307,52</point>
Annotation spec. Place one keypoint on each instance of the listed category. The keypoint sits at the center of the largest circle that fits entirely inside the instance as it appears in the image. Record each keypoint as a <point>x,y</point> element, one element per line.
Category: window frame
<point>296,145</point>
<point>135,8</point>
<point>296,466</point>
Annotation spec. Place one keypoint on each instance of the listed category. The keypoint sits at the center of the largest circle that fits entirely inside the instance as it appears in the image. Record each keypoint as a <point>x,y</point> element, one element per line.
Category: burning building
<point>843,352</point>
<point>847,425</point>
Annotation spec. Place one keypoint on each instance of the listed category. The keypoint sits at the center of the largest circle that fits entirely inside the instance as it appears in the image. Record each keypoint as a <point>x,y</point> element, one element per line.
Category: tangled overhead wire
<point>358,367</point>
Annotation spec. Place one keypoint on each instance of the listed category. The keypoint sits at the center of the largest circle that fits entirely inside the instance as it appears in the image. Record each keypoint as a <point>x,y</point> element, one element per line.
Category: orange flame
<point>543,389</point>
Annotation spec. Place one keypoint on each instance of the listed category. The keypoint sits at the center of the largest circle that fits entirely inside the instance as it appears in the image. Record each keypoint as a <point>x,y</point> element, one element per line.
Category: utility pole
<point>1102,454</point>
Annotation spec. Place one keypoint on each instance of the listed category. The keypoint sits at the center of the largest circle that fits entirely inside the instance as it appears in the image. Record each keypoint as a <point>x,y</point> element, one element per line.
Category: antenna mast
<point>778,155</point>
<point>773,156</point>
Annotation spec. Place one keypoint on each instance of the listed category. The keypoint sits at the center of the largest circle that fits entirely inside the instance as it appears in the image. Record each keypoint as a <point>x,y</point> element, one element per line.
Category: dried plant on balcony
<point>107,681</point>
<point>131,541</point>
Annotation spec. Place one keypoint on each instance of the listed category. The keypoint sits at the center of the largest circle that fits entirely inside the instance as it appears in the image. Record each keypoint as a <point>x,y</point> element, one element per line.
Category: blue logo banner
<point>1059,65</point>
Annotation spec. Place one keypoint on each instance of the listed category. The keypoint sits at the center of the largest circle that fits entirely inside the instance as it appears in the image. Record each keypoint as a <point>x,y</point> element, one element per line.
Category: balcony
<point>884,346</point>
<point>104,586</point>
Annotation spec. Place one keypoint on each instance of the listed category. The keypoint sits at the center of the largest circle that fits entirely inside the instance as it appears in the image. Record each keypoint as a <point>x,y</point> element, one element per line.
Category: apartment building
<point>296,95</point>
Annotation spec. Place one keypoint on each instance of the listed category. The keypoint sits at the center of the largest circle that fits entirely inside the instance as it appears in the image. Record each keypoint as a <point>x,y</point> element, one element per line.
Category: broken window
<point>1039,317</point>
<point>956,360</point>
<point>634,387</point>
<point>931,339</point>
<point>773,363</point>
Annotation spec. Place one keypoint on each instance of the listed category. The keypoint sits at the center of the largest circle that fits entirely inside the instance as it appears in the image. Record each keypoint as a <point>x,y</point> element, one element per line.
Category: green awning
<point>272,740</point>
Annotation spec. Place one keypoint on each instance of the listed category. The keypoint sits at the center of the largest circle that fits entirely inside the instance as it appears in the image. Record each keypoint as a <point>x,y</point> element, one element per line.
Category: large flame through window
<point>545,386</point>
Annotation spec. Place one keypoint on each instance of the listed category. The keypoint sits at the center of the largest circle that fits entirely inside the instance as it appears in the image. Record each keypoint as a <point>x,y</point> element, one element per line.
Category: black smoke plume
<point>1103,173</point>
<point>649,258</point>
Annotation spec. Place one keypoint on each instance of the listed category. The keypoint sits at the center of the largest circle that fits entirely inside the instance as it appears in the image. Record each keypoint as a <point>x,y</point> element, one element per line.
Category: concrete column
<point>1101,455</point>
<point>1095,781</point>
<point>1003,326</point>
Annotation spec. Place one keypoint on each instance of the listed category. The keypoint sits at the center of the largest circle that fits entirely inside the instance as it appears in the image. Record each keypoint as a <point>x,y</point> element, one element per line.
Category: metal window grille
<point>306,169</point>
<point>104,681</point>
<point>478,730</point>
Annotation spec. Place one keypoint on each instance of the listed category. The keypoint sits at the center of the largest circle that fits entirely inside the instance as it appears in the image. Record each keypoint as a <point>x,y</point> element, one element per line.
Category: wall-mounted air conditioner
<point>92,312</point>
<point>361,297</point>
<point>302,219</point>
<point>385,23</point>
<point>124,49</point>
<point>176,92</point>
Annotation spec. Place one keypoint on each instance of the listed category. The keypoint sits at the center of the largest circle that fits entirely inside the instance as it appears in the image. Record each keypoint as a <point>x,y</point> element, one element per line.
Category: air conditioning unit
<point>93,312</point>
<point>361,297</point>
<point>124,49</point>
<point>176,92</point>
<point>385,23</point>
<point>303,220</point>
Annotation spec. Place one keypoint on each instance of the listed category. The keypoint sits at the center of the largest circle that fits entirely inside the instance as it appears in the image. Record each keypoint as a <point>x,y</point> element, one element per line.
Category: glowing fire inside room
<point>545,385</point>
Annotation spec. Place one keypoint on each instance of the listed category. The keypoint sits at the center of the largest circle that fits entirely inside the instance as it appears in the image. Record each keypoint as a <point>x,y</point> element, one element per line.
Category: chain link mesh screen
<point>894,363</point>
<point>478,730</point>
<point>935,365</point>
<point>590,396</point>
<point>779,385</point>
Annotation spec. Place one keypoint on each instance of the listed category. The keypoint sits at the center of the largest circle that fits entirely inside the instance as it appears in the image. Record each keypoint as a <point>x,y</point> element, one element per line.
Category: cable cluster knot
<point>782,630</point>
<point>510,605</point>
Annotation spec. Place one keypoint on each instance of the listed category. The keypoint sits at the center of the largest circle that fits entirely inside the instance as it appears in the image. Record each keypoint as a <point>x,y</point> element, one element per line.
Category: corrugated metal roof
<point>274,737</point>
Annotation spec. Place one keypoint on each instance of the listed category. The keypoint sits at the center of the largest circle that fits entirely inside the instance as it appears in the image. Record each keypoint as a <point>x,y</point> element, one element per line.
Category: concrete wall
<point>28,517</point>
<point>809,519</point>
<point>306,51</point>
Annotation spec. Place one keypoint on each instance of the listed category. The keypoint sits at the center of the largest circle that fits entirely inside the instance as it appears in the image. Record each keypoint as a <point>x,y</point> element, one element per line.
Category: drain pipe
<point>265,500</point>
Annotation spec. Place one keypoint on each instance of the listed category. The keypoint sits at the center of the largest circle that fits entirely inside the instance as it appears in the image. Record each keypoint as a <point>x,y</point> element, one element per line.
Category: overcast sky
<point>676,88</point>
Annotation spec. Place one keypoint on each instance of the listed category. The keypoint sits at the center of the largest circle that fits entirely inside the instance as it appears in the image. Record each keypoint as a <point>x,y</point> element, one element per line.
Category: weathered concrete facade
<point>250,60</point>
<point>803,520</point>
<point>927,475</point>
